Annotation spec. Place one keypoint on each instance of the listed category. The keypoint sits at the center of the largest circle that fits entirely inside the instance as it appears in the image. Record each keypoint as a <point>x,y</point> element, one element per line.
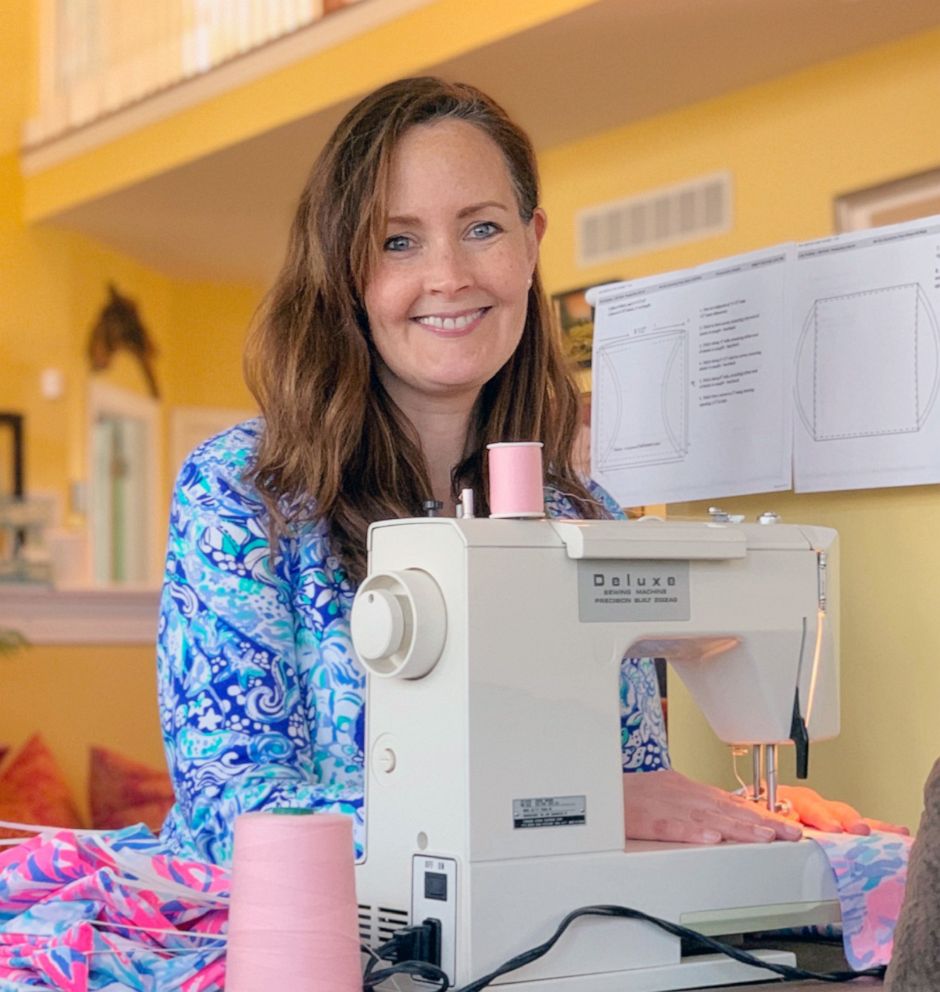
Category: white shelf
<point>80,616</point>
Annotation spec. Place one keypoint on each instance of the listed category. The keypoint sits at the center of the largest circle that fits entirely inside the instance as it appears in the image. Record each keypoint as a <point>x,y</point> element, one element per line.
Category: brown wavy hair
<point>334,445</point>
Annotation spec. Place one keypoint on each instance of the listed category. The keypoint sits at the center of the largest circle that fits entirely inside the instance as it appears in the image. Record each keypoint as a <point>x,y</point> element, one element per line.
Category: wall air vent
<point>657,218</point>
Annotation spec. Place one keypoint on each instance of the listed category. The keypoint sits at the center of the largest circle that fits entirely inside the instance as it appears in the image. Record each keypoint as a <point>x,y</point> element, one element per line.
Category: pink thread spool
<point>293,922</point>
<point>516,480</point>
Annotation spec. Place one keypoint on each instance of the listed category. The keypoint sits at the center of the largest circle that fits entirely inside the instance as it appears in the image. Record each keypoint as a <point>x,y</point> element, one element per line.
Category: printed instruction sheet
<point>814,363</point>
<point>866,308</point>
<point>692,382</point>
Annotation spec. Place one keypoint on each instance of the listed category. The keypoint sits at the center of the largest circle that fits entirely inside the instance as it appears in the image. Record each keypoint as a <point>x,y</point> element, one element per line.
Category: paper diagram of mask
<point>867,364</point>
<point>644,418</point>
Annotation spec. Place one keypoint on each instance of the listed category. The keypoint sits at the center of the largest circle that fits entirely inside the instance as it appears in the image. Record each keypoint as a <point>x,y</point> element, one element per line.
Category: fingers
<point>890,828</point>
<point>834,817</point>
<point>666,806</point>
<point>849,818</point>
<point>744,829</point>
<point>696,825</point>
<point>831,815</point>
<point>812,810</point>
<point>667,827</point>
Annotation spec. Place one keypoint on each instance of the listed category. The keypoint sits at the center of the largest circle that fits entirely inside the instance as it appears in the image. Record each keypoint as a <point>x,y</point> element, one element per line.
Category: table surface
<point>861,983</point>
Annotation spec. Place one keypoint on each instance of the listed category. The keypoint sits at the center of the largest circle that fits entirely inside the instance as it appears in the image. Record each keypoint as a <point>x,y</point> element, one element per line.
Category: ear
<point>536,232</point>
<point>539,224</point>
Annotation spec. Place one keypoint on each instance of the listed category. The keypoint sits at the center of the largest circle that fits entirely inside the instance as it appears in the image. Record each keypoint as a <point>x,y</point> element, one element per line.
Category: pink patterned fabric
<point>83,911</point>
<point>871,873</point>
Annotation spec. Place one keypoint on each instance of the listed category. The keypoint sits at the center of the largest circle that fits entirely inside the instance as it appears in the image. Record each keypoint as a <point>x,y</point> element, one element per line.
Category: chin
<point>460,380</point>
<point>456,387</point>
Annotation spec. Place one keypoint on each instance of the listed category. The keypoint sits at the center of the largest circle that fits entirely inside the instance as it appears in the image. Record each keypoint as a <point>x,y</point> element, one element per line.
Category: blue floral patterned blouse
<point>261,696</point>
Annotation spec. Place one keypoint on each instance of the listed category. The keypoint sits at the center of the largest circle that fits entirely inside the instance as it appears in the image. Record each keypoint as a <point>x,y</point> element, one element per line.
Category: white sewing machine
<point>494,798</point>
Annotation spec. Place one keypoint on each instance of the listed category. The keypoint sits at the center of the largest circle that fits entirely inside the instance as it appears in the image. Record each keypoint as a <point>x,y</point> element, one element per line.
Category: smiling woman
<point>447,299</point>
<point>407,329</point>
<point>421,212</point>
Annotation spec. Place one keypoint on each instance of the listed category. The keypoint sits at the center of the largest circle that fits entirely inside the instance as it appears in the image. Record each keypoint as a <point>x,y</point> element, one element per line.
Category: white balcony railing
<point>100,56</point>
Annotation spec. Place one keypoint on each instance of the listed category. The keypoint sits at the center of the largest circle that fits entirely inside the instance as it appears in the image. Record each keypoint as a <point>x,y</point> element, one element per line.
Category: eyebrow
<point>473,208</point>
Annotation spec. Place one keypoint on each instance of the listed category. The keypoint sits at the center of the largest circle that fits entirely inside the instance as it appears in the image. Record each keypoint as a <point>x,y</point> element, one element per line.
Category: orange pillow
<point>123,792</point>
<point>33,790</point>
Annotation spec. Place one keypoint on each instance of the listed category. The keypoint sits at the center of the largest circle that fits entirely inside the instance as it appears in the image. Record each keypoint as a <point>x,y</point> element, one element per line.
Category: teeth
<point>450,323</point>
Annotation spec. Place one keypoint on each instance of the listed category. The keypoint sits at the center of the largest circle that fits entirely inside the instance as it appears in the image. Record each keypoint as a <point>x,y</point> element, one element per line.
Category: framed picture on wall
<point>11,455</point>
<point>11,481</point>
<point>576,319</point>
<point>898,200</point>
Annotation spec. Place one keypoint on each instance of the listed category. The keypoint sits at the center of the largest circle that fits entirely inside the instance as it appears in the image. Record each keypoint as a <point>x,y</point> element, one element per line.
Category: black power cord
<point>695,939</point>
<point>414,951</point>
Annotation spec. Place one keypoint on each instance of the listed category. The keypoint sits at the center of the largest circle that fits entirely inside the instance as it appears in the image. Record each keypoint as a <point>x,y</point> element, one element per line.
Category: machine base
<point>705,971</point>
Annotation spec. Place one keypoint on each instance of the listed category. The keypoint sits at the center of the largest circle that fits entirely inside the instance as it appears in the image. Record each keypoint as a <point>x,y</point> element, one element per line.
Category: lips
<point>453,323</point>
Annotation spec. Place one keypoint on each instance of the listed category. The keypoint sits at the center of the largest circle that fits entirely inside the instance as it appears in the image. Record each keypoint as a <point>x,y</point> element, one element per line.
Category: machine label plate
<point>549,811</point>
<point>611,591</point>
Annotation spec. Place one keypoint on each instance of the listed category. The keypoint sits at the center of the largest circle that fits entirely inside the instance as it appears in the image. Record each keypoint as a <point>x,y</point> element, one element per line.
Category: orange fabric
<point>123,791</point>
<point>33,789</point>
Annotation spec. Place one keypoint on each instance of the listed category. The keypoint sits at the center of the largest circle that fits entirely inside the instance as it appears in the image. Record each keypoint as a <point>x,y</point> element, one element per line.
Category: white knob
<point>379,624</point>
<point>399,623</point>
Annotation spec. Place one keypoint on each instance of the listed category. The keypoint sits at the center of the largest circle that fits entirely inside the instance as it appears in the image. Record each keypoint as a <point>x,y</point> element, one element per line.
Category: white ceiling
<point>225,217</point>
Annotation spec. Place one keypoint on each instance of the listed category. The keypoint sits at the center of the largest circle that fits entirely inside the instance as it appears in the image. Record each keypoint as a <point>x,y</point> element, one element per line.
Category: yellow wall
<point>204,340</point>
<point>792,145</point>
<point>52,285</point>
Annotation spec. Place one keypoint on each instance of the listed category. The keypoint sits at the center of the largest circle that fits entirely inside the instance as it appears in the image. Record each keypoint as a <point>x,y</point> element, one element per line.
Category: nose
<point>448,270</point>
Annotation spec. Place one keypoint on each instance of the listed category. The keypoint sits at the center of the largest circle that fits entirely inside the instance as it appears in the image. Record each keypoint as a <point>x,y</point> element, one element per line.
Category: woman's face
<point>447,300</point>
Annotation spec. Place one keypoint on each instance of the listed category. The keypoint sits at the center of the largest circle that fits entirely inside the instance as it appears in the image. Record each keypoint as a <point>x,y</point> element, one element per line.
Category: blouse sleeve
<point>245,724</point>
<point>643,743</point>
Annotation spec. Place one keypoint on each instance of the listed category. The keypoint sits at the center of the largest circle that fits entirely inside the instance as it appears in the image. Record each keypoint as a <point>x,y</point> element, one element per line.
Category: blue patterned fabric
<point>261,696</point>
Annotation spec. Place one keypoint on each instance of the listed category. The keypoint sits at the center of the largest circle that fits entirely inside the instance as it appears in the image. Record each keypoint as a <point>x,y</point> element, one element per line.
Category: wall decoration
<point>12,534</point>
<point>119,327</point>
<point>11,455</point>
<point>893,202</point>
<point>576,319</point>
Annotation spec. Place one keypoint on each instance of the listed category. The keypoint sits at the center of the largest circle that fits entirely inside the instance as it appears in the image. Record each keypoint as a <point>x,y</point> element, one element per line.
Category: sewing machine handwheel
<point>398,624</point>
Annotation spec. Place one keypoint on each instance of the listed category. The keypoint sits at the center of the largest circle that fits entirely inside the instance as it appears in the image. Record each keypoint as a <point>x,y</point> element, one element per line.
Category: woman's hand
<point>665,805</point>
<point>811,809</point>
<point>668,806</point>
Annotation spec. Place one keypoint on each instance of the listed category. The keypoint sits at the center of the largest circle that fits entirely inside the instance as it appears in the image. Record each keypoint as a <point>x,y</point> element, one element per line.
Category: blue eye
<point>398,242</point>
<point>485,229</point>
